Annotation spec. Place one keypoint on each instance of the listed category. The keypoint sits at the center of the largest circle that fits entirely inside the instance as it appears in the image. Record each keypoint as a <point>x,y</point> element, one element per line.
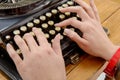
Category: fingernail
<point>56,24</point>
<point>67,31</point>
<point>8,46</point>
<point>58,35</point>
<point>34,28</point>
<point>16,37</point>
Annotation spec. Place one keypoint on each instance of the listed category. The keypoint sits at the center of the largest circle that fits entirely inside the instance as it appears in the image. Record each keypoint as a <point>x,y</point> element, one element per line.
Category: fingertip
<point>58,36</point>
<point>67,31</point>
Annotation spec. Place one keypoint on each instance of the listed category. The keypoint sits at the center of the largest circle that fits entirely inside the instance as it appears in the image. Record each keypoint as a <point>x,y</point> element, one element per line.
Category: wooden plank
<point>117,1</point>
<point>113,24</point>
<point>86,69</point>
<point>106,8</point>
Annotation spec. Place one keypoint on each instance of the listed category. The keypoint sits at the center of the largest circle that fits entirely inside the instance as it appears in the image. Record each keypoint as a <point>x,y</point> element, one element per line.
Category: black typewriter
<point>42,14</point>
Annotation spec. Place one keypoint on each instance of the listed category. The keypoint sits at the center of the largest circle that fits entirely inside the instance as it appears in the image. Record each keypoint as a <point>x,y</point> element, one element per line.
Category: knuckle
<point>72,34</point>
<point>95,11</point>
<point>78,8</point>
<point>88,8</point>
<point>13,55</point>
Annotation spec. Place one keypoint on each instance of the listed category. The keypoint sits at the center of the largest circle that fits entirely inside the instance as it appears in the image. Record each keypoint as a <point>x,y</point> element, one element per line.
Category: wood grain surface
<point>88,66</point>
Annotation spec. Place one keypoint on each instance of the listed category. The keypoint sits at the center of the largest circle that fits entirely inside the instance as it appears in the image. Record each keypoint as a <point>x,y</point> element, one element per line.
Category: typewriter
<point>42,14</point>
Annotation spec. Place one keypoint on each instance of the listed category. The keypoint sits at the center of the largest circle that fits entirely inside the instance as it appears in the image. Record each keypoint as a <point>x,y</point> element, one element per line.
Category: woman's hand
<point>94,40</point>
<point>39,62</point>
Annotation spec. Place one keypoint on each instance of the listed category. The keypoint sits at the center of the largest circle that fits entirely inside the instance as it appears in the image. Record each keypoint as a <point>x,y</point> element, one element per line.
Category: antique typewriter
<point>42,14</point>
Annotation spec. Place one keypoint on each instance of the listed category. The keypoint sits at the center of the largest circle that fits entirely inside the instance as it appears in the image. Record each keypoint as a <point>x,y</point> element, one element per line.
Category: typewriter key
<point>71,3</point>
<point>16,32</point>
<point>40,29</point>
<point>51,23</point>
<point>64,33</point>
<point>67,13</point>
<point>54,11</point>
<point>30,24</point>
<point>73,29</point>
<point>43,18</point>
<point>44,25</point>
<point>52,40</point>
<point>62,16</point>
<point>47,35</point>
<point>52,32</point>
<point>18,51</point>
<point>61,37</point>
<point>58,28</point>
<point>48,14</point>
<point>7,37</point>
<point>36,21</point>
<point>23,28</point>
<point>65,5</point>
<point>32,33</point>
<point>60,7</point>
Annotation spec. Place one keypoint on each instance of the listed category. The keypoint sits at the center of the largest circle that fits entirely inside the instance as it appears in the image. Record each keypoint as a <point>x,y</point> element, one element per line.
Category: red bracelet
<point>110,69</point>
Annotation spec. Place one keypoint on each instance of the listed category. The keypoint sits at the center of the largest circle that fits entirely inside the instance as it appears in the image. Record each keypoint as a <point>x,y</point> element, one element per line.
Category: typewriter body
<point>42,14</point>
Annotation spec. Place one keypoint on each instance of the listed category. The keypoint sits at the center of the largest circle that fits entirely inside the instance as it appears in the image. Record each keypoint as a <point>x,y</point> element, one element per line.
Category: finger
<point>14,56</point>
<point>30,41</point>
<point>87,8</point>
<point>75,37</point>
<point>94,8</point>
<point>71,21</point>
<point>56,45</point>
<point>22,45</point>
<point>40,37</point>
<point>76,9</point>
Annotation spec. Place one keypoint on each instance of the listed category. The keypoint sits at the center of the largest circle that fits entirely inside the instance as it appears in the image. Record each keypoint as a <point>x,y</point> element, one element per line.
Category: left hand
<point>39,62</point>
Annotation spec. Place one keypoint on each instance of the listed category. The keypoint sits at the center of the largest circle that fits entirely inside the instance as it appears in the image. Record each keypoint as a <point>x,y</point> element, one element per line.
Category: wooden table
<point>88,68</point>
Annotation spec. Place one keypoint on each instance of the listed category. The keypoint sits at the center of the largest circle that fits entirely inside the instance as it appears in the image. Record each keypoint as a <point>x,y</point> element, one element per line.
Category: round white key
<point>43,18</point>
<point>51,23</point>
<point>47,35</point>
<point>52,32</point>
<point>23,28</point>
<point>49,14</point>
<point>65,5</point>
<point>16,32</point>
<point>8,37</point>
<point>36,21</point>
<point>30,24</point>
<point>44,25</point>
<point>54,11</point>
<point>71,3</point>
<point>58,28</point>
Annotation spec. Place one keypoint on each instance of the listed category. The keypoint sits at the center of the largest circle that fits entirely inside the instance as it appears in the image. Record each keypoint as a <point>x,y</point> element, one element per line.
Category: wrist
<point>110,52</point>
<point>110,69</point>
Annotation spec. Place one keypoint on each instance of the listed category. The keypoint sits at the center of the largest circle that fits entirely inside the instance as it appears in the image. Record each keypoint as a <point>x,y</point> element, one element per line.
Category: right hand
<point>94,40</point>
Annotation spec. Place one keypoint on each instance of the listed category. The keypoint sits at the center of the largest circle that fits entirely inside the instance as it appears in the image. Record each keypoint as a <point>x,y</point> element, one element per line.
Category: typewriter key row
<point>45,23</point>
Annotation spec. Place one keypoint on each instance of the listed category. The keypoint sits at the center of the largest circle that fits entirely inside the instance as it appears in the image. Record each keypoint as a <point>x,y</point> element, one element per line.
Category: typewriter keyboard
<point>44,21</point>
